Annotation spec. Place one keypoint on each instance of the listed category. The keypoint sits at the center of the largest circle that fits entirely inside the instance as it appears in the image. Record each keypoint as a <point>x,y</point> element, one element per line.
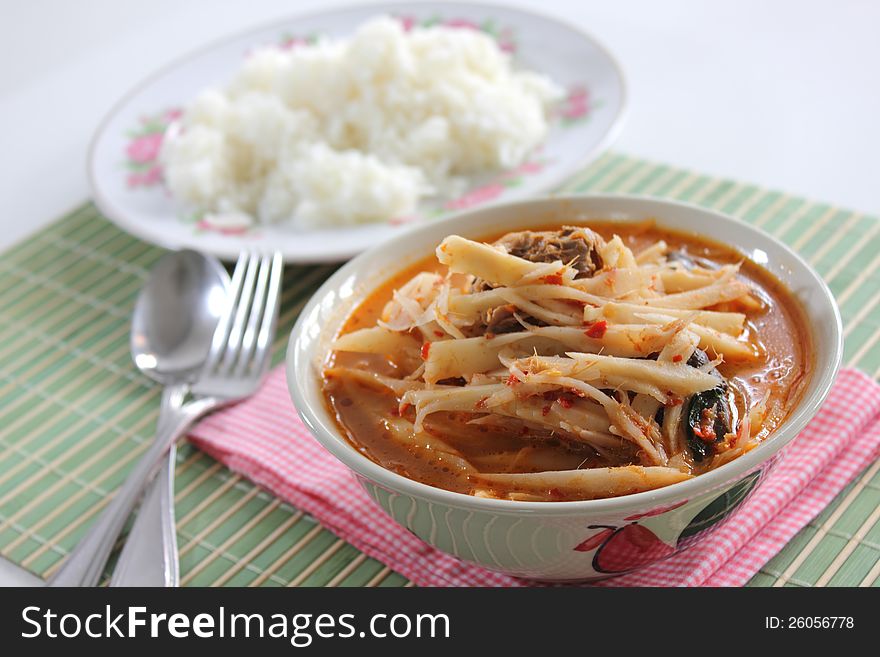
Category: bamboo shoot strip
<point>654,254</point>
<point>377,340</point>
<point>584,420</point>
<point>470,305</point>
<point>683,280</point>
<point>453,358</point>
<point>491,264</point>
<point>397,386</point>
<point>633,313</point>
<point>588,484</point>
<point>403,432</point>
<point>718,292</point>
<point>677,378</point>
<point>616,255</point>
<point>617,283</point>
<point>711,340</point>
<point>625,422</point>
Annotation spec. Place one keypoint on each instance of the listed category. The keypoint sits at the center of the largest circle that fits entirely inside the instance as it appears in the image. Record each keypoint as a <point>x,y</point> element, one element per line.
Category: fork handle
<point>85,564</point>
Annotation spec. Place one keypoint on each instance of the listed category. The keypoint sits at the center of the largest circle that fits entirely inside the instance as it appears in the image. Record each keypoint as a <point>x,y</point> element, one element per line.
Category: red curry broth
<point>363,411</point>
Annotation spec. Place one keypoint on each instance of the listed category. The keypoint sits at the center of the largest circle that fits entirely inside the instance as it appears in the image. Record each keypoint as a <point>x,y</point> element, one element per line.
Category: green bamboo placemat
<point>75,414</point>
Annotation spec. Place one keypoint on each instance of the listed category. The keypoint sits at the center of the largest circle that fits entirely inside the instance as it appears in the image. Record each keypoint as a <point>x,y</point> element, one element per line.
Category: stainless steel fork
<point>236,367</point>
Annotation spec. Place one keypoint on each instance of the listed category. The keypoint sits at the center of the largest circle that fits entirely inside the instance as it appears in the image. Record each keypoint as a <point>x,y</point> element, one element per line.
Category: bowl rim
<point>332,439</point>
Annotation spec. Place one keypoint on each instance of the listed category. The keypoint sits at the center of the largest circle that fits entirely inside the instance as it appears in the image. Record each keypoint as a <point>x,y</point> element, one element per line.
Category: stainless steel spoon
<point>149,557</point>
<point>172,328</point>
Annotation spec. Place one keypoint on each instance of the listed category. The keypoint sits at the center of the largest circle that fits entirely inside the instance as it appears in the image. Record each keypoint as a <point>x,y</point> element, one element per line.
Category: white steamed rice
<point>351,131</point>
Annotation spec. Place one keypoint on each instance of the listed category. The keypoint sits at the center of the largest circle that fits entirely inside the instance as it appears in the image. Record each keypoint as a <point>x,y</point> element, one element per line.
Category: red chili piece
<point>597,329</point>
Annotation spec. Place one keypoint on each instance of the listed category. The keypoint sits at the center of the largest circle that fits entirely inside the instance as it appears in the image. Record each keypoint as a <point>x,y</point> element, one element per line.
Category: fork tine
<point>218,341</point>
<point>236,332</point>
<point>263,355</point>
<point>259,300</point>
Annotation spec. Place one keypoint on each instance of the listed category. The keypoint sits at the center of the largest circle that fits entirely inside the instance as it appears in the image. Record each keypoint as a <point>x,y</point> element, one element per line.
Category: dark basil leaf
<point>713,401</point>
<point>698,359</point>
<point>689,260</point>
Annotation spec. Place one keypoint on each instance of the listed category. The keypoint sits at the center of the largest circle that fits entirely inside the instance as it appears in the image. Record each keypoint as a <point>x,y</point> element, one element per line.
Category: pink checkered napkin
<point>264,440</point>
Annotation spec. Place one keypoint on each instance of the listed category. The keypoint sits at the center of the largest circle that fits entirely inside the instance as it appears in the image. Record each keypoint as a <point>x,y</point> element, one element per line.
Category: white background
<point>781,93</point>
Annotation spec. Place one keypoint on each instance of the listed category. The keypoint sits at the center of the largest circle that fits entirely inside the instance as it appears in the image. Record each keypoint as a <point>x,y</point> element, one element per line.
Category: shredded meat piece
<point>501,320</point>
<point>577,246</point>
<point>572,245</point>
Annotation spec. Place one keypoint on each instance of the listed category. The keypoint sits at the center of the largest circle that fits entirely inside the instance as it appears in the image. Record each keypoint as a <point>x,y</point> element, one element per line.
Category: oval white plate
<point>127,181</point>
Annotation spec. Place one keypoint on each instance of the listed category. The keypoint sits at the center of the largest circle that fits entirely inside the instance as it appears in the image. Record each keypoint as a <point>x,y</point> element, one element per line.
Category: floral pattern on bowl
<point>622,547</point>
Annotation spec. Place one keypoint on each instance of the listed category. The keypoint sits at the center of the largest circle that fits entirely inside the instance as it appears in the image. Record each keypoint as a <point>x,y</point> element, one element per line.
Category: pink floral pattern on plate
<point>503,35</point>
<point>576,106</point>
<point>145,140</point>
<point>289,41</point>
<point>142,149</point>
<point>207,223</point>
<point>495,188</point>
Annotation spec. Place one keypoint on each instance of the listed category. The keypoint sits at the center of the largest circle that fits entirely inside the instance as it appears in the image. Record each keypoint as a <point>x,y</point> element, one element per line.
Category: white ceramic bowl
<point>539,539</point>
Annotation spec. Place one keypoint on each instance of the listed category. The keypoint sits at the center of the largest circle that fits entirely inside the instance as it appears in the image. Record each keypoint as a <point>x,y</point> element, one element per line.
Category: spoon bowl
<point>175,316</point>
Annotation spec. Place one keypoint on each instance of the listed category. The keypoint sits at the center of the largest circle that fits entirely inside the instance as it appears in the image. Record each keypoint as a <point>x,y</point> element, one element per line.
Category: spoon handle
<point>149,556</point>
<point>85,564</point>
